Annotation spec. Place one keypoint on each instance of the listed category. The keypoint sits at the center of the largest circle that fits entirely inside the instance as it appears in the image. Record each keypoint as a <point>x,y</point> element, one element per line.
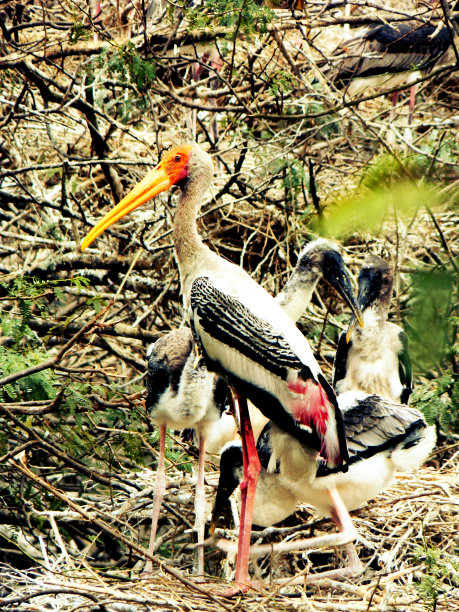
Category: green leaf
<point>428,323</point>
<point>365,211</point>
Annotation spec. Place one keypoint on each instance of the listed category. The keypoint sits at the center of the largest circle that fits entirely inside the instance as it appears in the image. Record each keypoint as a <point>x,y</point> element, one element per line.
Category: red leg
<point>346,535</point>
<point>97,9</point>
<point>200,504</point>
<point>251,466</point>
<point>395,96</point>
<point>160,487</point>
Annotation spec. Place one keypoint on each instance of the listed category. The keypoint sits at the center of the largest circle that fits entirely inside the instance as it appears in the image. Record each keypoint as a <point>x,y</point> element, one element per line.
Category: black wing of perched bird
<point>374,425</point>
<point>389,48</point>
<point>340,363</point>
<point>405,369</point>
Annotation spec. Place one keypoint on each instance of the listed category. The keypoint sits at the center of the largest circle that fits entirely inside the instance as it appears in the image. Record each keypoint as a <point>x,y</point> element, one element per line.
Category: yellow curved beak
<point>351,327</point>
<point>150,186</point>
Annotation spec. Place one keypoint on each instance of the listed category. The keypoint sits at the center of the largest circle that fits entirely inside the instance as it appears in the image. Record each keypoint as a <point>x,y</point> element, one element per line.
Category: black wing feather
<point>340,363</point>
<point>374,425</point>
<point>389,49</point>
<point>157,381</point>
<point>405,369</point>
<point>229,321</point>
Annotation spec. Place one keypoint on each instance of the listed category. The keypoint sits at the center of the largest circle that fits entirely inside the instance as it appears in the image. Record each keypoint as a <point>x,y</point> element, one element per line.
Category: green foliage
<point>244,17</point>
<point>96,303</point>
<point>30,294</point>
<point>328,125</point>
<point>388,187</point>
<point>430,323</point>
<point>165,551</point>
<point>38,386</point>
<point>292,175</point>
<point>293,180</point>
<point>365,210</point>
<point>386,170</point>
<point>438,400</point>
<point>281,82</point>
<point>52,230</point>
<point>3,443</point>
<point>440,568</point>
<point>76,397</point>
<point>432,326</point>
<point>78,31</point>
<point>180,460</point>
<point>127,63</point>
<point>133,447</point>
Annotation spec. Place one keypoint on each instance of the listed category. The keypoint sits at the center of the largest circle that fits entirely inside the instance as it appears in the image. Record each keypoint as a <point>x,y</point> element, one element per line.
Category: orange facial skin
<point>171,169</point>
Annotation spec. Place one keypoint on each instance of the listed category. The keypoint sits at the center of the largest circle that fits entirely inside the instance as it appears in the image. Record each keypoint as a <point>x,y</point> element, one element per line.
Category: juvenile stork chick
<point>181,393</point>
<point>320,258</point>
<point>374,359</point>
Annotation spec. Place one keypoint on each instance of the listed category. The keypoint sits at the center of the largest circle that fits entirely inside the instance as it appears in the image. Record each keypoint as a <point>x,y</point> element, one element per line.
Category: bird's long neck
<point>297,293</point>
<point>188,243</point>
<point>190,249</point>
<point>375,317</point>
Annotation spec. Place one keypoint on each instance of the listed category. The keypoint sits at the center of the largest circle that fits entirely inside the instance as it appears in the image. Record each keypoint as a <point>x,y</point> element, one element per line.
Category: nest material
<point>419,512</point>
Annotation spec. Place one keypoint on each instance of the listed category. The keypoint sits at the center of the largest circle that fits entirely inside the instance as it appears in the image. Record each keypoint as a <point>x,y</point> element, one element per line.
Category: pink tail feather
<point>313,409</point>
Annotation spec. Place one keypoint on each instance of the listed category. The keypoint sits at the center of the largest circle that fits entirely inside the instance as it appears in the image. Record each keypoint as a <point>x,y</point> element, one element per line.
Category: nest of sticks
<point>420,512</point>
<point>77,471</point>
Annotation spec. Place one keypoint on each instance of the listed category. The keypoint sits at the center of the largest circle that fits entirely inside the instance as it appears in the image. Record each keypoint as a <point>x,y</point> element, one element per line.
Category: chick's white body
<point>369,370</point>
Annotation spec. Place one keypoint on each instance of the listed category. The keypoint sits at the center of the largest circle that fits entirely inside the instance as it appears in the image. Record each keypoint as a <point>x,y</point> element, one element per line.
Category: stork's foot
<point>242,588</point>
<point>352,569</point>
<point>317,542</point>
<point>311,579</point>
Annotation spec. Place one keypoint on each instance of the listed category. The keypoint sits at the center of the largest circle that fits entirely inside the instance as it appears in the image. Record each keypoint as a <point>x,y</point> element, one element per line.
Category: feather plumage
<point>389,49</point>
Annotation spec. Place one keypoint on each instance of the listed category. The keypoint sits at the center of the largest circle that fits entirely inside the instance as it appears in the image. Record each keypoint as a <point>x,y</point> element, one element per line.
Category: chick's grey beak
<point>369,286</point>
<point>335,273</point>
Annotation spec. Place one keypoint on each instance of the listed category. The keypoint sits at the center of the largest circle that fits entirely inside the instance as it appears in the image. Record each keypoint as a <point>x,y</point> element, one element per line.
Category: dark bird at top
<point>389,55</point>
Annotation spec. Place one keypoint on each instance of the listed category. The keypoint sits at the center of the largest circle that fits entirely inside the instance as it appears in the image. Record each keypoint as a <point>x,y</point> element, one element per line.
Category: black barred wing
<point>340,362</point>
<point>390,49</point>
<point>228,321</point>
<point>374,424</point>
<point>405,370</point>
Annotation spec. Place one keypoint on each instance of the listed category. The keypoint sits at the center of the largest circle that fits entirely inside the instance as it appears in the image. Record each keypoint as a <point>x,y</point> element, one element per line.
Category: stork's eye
<point>177,158</point>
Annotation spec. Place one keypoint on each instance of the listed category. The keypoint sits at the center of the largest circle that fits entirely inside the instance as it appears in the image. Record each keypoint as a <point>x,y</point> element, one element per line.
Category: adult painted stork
<point>319,259</point>
<point>242,332</point>
<point>374,359</point>
<point>181,393</point>
<point>390,55</point>
<point>383,437</point>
